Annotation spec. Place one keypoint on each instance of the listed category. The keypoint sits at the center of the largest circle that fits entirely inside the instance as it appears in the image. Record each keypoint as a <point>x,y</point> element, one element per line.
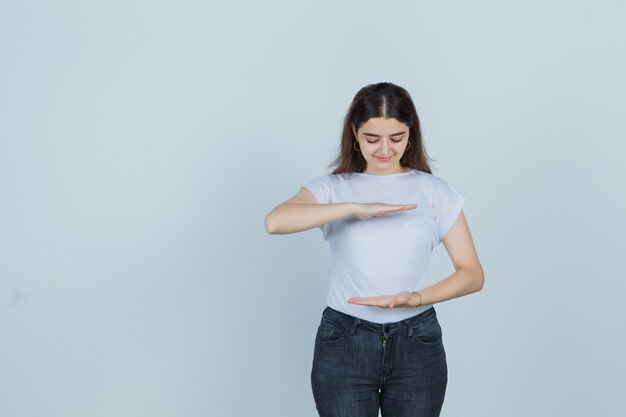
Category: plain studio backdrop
<point>142,143</point>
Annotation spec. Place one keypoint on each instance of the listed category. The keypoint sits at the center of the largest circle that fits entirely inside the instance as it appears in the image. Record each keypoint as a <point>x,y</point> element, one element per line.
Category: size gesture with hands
<point>368,210</point>
<point>402,299</point>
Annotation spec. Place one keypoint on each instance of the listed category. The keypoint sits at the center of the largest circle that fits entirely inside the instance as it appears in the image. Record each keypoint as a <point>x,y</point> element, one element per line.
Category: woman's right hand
<point>367,210</point>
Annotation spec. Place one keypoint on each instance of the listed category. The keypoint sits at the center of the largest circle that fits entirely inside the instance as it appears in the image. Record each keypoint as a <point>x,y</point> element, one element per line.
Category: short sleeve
<point>320,188</point>
<point>448,202</point>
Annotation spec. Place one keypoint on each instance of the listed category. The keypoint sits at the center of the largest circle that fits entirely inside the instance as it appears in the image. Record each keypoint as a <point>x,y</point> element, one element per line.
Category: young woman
<point>379,343</point>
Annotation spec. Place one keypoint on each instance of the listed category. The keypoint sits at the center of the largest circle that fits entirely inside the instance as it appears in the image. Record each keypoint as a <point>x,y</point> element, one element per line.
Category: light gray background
<point>143,143</point>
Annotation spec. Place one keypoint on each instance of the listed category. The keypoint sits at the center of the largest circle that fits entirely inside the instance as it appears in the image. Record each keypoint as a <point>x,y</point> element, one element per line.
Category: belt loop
<point>408,324</point>
<point>355,323</point>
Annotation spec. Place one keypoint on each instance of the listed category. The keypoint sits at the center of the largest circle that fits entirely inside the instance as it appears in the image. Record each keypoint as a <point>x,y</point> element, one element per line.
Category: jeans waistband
<point>385,329</point>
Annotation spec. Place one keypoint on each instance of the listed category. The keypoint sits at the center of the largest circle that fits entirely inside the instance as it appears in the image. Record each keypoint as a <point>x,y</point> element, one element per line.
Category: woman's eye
<point>394,141</point>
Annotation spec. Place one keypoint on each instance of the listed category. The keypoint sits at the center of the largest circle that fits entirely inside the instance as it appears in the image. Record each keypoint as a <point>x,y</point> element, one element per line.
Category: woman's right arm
<point>302,212</point>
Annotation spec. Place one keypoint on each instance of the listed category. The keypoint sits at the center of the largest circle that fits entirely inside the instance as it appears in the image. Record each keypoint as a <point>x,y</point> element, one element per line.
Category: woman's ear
<point>353,129</point>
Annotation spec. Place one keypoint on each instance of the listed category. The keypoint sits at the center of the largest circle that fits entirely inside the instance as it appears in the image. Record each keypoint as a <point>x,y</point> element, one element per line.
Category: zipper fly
<point>382,367</point>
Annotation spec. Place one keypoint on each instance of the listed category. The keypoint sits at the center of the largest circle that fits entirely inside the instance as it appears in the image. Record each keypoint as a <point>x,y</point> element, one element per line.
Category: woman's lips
<point>383,159</point>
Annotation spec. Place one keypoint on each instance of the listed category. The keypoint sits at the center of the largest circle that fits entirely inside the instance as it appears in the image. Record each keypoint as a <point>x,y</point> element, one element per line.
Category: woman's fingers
<point>403,207</point>
<point>388,301</point>
<point>368,210</point>
<point>399,207</point>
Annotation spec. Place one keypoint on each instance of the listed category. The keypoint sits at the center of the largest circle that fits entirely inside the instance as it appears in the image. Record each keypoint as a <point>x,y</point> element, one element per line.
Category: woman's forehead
<point>383,126</point>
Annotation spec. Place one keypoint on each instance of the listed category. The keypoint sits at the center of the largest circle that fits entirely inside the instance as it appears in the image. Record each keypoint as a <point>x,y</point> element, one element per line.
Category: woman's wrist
<point>417,298</point>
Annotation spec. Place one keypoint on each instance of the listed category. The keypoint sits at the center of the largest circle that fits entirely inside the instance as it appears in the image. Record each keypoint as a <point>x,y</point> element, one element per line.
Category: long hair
<point>384,100</point>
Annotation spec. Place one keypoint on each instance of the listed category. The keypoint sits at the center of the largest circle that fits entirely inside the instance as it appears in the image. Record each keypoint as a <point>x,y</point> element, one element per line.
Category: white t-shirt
<point>389,254</point>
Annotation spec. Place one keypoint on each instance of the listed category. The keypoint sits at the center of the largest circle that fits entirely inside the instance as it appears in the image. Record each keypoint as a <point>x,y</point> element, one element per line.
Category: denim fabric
<point>360,367</point>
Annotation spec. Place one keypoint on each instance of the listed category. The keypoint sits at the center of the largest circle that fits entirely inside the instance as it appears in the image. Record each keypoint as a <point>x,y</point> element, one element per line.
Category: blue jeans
<point>360,366</point>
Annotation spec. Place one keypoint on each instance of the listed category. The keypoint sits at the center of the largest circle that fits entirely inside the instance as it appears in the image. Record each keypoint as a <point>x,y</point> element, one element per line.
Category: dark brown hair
<point>385,100</point>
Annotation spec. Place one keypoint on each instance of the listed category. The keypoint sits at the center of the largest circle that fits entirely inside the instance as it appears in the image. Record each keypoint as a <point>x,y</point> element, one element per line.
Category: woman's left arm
<point>468,278</point>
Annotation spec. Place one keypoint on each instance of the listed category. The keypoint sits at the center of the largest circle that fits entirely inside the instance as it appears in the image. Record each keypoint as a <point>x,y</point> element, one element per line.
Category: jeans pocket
<point>428,332</point>
<point>330,331</point>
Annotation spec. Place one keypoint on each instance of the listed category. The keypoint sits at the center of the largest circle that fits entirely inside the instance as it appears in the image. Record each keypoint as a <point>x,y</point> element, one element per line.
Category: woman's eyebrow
<point>377,136</point>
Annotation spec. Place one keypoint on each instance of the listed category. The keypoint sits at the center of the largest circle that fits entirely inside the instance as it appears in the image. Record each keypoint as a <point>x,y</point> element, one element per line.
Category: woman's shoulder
<point>431,178</point>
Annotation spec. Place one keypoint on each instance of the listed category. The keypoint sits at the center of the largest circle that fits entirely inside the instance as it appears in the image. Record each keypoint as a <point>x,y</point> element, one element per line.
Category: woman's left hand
<point>401,299</point>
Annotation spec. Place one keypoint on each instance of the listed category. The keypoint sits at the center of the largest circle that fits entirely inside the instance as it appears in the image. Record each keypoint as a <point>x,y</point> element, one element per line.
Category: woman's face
<point>382,138</point>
